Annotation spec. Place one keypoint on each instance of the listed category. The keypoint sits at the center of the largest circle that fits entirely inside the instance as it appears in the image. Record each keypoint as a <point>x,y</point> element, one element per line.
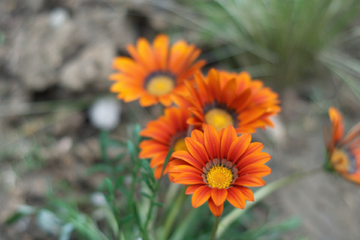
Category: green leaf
<point>167,159</point>
<point>137,217</point>
<point>119,181</point>
<point>132,150</point>
<point>103,147</point>
<point>126,219</point>
<point>109,186</point>
<point>147,181</point>
<point>123,190</point>
<point>119,157</point>
<point>145,164</point>
<point>14,218</point>
<point>145,194</point>
<point>23,210</point>
<point>136,132</point>
<point>159,204</point>
<point>114,143</point>
<point>100,168</point>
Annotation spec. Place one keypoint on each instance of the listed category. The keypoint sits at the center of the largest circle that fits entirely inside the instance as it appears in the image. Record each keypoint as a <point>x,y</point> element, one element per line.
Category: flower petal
<point>218,196</point>
<point>216,210</point>
<point>200,196</point>
<point>236,197</point>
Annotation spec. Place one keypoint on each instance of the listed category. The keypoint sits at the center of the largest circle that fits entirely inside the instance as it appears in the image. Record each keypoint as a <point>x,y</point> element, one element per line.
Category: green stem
<point>260,195</point>
<point>145,232</point>
<point>215,227</point>
<point>173,213</point>
<point>132,187</point>
<point>152,200</point>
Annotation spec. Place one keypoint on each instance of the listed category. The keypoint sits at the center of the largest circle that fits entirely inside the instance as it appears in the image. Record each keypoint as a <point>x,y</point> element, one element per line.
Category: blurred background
<point>55,57</point>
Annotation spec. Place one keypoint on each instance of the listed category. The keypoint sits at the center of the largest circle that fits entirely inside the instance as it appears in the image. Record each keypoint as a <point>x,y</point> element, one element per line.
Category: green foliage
<point>282,39</point>
<point>268,231</point>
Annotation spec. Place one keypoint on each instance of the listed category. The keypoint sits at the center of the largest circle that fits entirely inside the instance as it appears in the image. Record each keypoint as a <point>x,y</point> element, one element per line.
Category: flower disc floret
<point>160,85</point>
<point>219,177</point>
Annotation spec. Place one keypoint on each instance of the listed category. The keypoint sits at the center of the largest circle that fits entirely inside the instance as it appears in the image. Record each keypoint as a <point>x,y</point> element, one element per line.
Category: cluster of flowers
<point>207,122</point>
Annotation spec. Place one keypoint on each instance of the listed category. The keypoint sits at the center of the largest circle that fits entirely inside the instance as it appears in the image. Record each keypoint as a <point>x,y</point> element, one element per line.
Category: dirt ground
<point>54,63</point>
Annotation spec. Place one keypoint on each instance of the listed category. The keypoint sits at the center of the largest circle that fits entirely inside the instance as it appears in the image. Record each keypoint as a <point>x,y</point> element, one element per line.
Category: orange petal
<point>197,150</point>
<point>216,210</point>
<point>253,147</point>
<point>198,136</point>
<point>187,180</point>
<point>218,196</point>
<point>158,159</point>
<point>200,196</point>
<point>191,189</point>
<point>161,47</point>
<point>250,181</point>
<point>256,170</point>
<point>248,194</point>
<point>228,136</point>
<point>236,197</point>
<point>148,100</point>
<point>238,147</point>
<point>184,155</point>
<point>254,158</point>
<point>146,54</point>
<point>212,141</point>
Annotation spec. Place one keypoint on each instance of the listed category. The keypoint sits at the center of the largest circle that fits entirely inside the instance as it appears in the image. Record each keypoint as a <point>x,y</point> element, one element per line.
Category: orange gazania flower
<point>343,153</point>
<point>221,99</point>
<point>155,72</point>
<point>167,131</point>
<point>219,166</point>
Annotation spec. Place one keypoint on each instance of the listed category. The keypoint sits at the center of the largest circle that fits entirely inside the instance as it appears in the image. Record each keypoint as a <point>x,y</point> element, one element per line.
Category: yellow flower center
<point>218,118</point>
<point>180,145</point>
<point>219,177</point>
<point>160,85</point>
<point>339,160</point>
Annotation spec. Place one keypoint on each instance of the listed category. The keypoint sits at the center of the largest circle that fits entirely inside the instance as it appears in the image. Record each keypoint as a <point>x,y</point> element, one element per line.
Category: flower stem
<point>175,208</point>
<point>215,227</point>
<point>260,195</point>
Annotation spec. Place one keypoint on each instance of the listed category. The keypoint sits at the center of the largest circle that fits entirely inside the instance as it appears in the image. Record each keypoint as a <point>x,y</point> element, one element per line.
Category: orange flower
<point>221,99</point>
<point>343,153</point>
<point>167,131</point>
<point>219,166</point>
<point>155,72</point>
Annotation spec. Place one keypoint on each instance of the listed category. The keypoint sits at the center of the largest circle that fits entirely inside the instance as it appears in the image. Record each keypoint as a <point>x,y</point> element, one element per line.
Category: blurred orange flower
<point>221,99</point>
<point>154,72</point>
<point>343,153</point>
<point>167,131</point>
<point>219,166</point>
